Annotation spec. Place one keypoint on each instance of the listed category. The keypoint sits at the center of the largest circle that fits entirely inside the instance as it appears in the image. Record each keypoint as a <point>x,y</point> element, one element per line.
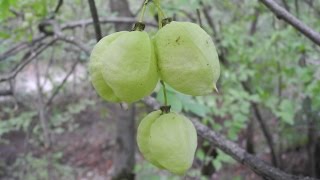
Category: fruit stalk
<point>161,15</point>
<point>164,93</point>
<point>143,10</point>
<point>160,11</point>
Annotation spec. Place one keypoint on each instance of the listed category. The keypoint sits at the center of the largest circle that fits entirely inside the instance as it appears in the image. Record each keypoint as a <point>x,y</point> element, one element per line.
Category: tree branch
<point>263,125</point>
<point>281,13</point>
<point>235,151</point>
<point>286,5</point>
<point>58,6</point>
<point>26,62</point>
<point>72,40</point>
<point>209,19</point>
<point>86,22</point>
<point>48,103</point>
<point>232,149</point>
<point>95,18</point>
<point>6,93</point>
<point>70,25</point>
<point>310,4</point>
<point>21,46</point>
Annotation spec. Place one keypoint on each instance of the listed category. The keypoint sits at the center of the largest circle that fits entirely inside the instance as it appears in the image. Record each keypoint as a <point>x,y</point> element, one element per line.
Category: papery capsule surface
<point>168,141</point>
<point>187,58</point>
<point>123,66</point>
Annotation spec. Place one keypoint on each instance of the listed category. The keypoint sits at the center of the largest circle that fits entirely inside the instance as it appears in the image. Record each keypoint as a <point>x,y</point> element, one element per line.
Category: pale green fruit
<point>168,141</point>
<point>143,136</point>
<point>123,66</point>
<point>187,58</point>
<point>95,68</point>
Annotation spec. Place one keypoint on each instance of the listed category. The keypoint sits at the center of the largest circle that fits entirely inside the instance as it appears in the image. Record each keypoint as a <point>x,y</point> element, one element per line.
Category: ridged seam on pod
<point>168,141</point>
<point>123,67</point>
<point>187,58</point>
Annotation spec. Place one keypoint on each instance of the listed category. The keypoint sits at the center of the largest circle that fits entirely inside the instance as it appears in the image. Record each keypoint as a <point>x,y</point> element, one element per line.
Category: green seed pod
<point>123,66</point>
<point>168,141</point>
<point>187,58</point>
<point>143,136</point>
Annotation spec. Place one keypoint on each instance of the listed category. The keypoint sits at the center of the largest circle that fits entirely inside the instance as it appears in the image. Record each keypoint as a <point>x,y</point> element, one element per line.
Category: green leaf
<point>286,112</point>
<point>173,100</point>
<point>200,154</point>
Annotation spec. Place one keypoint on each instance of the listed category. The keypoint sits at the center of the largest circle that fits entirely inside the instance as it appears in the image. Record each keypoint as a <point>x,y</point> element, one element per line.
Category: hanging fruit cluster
<point>126,66</point>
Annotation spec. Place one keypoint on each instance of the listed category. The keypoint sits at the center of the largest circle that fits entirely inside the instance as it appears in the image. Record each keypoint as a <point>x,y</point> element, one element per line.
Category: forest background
<point>263,123</point>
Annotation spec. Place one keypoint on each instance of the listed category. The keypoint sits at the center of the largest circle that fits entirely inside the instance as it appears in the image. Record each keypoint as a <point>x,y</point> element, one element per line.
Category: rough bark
<point>122,10</point>
<point>95,18</point>
<point>282,13</point>
<point>257,165</point>
<point>125,145</point>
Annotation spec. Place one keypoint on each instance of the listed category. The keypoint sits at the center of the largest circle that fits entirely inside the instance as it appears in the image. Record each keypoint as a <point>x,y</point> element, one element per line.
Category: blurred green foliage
<point>280,64</point>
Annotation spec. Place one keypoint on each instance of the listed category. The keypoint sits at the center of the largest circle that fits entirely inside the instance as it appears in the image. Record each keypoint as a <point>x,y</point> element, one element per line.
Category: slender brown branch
<point>253,27</point>
<point>70,25</point>
<point>184,12</point>
<point>232,149</point>
<point>95,18</point>
<point>264,127</point>
<point>281,13</point>
<point>25,62</point>
<point>72,40</point>
<point>235,151</point>
<point>310,4</point>
<point>286,5</point>
<point>199,18</point>
<point>58,6</point>
<point>46,72</point>
<point>256,111</point>
<point>296,5</point>
<point>62,83</point>
<point>103,20</point>
<point>6,93</point>
<point>205,10</point>
<point>82,47</point>
<point>20,47</point>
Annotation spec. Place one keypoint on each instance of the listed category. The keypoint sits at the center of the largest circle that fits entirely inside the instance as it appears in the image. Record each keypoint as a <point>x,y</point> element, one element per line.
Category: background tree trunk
<point>122,9</point>
<point>123,159</point>
<point>125,148</point>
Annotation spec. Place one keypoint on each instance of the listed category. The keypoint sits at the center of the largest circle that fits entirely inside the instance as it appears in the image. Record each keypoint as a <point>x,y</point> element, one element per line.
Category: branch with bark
<point>281,13</point>
<point>235,151</point>
<point>20,47</point>
<point>55,93</point>
<point>26,60</point>
<point>6,93</point>
<point>232,149</point>
<point>95,18</point>
<point>70,25</point>
<point>103,20</point>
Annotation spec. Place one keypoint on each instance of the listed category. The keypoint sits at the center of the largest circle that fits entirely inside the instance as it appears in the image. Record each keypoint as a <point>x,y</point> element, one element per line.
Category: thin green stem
<point>164,93</point>
<point>143,10</point>
<point>160,11</point>
<point>161,14</point>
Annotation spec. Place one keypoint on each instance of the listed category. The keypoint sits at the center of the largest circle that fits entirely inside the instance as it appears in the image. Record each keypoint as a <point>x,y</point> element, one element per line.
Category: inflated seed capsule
<point>187,58</point>
<point>122,66</point>
<point>168,141</point>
